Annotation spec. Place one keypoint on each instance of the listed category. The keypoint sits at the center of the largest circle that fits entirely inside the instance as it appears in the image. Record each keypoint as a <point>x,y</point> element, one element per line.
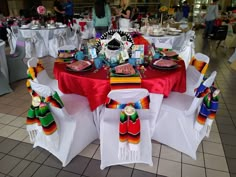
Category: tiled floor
<point>216,156</point>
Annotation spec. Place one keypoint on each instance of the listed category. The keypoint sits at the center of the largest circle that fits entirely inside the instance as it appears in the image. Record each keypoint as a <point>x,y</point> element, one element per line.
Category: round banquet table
<point>95,85</point>
<point>45,33</point>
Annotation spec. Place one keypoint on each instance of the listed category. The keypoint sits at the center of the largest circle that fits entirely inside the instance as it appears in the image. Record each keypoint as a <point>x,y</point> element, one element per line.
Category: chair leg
<point>218,44</point>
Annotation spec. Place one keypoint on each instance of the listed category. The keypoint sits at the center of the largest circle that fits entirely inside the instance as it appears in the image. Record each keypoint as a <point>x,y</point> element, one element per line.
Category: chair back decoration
<point>200,62</point>
<point>209,105</point>
<point>32,71</point>
<point>129,126</point>
<point>39,117</point>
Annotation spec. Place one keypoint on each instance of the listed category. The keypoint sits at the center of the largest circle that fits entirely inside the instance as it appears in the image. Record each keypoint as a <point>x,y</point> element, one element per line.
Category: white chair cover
<point>194,77</point>
<point>109,128</point>
<point>75,38</point>
<point>11,40</point>
<point>58,40</point>
<point>3,61</point>
<point>35,46</point>
<point>43,78</point>
<point>75,125</point>
<point>175,123</point>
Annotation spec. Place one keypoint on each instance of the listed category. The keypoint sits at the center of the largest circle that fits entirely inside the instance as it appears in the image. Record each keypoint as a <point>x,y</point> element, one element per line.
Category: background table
<point>45,33</point>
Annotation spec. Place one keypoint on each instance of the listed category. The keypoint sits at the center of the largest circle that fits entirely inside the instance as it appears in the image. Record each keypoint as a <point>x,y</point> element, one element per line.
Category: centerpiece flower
<point>41,10</point>
<point>163,9</point>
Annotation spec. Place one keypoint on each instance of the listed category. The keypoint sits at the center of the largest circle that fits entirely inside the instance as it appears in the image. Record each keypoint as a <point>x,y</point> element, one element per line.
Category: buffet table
<point>95,85</point>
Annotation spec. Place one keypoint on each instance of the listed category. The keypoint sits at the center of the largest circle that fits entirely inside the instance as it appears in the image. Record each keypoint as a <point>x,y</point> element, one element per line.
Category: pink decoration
<point>41,10</point>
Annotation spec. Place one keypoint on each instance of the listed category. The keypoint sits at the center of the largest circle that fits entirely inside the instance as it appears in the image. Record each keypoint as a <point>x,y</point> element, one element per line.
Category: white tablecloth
<point>167,41</point>
<point>45,33</point>
<point>3,61</point>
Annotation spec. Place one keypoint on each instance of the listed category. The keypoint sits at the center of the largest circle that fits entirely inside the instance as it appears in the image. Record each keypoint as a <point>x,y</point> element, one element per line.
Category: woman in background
<point>58,8</point>
<point>101,15</point>
<point>124,14</point>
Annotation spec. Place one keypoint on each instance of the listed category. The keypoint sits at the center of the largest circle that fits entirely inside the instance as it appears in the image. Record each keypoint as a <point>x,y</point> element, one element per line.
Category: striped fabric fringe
<point>209,106</point>
<point>33,71</point>
<point>129,127</point>
<point>201,66</point>
<point>40,119</point>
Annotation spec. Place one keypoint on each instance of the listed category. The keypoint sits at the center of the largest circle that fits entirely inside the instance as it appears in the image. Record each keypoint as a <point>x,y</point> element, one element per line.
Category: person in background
<point>185,9</point>
<point>211,16</point>
<point>69,11</point>
<point>135,13</point>
<point>101,15</point>
<point>58,8</point>
<point>178,14</point>
<point>125,14</point>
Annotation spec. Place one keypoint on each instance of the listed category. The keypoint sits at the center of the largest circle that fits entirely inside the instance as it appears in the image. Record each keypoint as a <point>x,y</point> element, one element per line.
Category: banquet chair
<point>11,40</point>
<point>58,40</point>
<point>220,34</point>
<point>115,151</point>
<point>35,46</point>
<point>16,66</point>
<point>187,50</point>
<point>75,38</point>
<point>195,72</point>
<point>74,123</point>
<point>175,125</point>
<point>42,76</point>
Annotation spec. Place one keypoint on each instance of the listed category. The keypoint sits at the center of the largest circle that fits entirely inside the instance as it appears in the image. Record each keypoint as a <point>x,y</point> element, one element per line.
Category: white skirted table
<point>45,34</point>
<point>4,78</point>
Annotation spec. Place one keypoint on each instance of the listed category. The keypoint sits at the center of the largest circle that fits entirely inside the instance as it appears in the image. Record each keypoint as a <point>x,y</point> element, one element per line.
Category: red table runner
<point>95,85</point>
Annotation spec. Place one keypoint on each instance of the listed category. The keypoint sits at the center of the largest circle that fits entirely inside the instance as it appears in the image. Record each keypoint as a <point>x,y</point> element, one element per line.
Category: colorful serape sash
<point>40,119</point>
<point>125,82</point>
<point>129,127</point>
<point>209,106</point>
<point>201,66</point>
<point>33,71</point>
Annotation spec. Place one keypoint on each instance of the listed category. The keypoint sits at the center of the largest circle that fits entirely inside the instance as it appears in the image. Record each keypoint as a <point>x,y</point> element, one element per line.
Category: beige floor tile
<point>199,149</point>
<point>7,130</point>
<point>214,173</point>
<point>214,137</point>
<point>19,135</point>
<point>192,171</point>
<point>156,149</point>
<point>27,140</point>
<point>7,119</point>
<point>18,122</point>
<point>213,148</point>
<point>148,168</point>
<point>131,165</point>
<point>170,154</point>
<point>97,155</point>
<point>2,125</point>
<point>188,160</point>
<point>89,151</point>
<point>169,168</point>
<point>214,127</point>
<point>18,111</point>
<point>216,162</point>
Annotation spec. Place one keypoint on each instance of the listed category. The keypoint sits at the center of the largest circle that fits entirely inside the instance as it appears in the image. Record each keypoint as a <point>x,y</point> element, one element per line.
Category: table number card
<point>138,53</point>
<point>92,53</point>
